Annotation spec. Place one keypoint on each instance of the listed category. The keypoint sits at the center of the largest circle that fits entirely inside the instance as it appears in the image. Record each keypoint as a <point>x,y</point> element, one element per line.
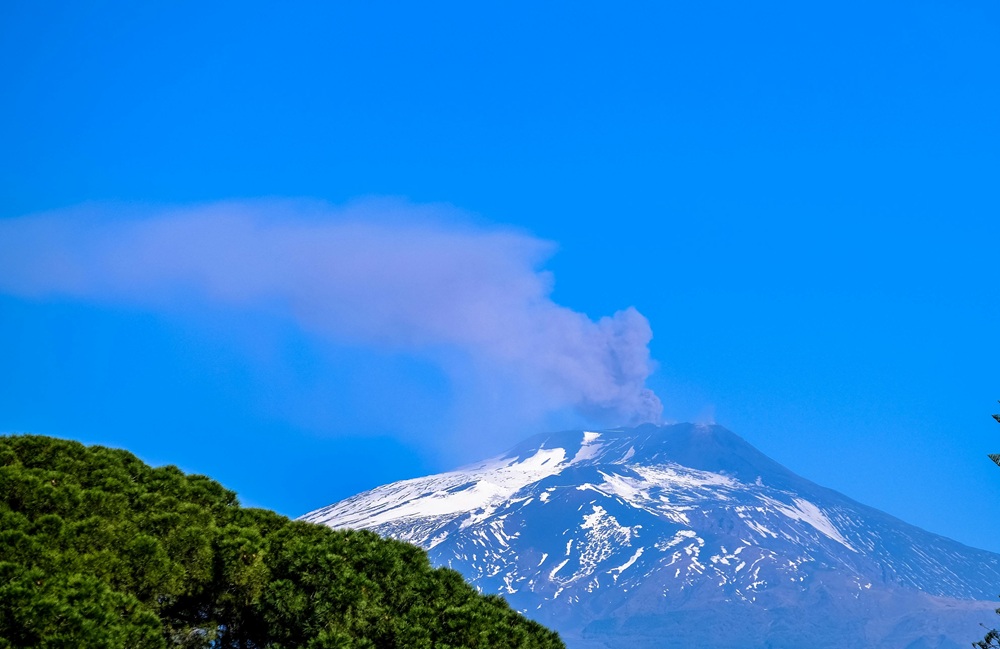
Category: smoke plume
<point>415,279</point>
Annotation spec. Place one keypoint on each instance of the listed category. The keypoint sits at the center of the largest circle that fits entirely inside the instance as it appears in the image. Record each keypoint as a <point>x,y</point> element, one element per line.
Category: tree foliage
<point>995,456</point>
<point>97,549</point>
<point>992,639</point>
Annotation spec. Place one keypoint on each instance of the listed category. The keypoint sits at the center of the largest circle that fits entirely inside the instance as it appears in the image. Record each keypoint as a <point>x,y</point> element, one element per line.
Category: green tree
<point>992,639</point>
<point>995,456</point>
<point>98,549</point>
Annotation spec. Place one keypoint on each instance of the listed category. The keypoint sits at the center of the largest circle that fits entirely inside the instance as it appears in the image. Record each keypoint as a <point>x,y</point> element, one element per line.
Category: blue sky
<point>801,201</point>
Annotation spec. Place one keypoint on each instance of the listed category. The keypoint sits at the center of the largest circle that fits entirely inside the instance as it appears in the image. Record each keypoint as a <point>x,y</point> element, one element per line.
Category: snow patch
<point>552,575</point>
<point>628,455</point>
<point>616,572</point>
<point>675,475</point>
<point>437,540</point>
<point>478,488</point>
<point>589,449</point>
<point>805,511</point>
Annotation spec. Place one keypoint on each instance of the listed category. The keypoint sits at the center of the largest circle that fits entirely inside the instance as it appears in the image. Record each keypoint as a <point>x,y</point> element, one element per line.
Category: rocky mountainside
<point>684,536</point>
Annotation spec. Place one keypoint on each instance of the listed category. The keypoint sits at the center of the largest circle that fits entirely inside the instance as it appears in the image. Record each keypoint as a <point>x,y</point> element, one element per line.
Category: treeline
<point>97,549</point>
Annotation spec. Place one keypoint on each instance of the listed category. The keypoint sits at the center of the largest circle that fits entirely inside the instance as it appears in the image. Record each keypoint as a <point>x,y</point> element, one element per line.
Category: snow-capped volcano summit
<point>680,536</point>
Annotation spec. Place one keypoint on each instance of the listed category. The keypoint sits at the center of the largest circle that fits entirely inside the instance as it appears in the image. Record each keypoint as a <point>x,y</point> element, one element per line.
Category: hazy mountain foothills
<point>98,550</point>
<point>682,536</point>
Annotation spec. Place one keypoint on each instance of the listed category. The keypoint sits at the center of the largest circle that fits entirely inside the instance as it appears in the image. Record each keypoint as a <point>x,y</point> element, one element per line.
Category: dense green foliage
<point>98,549</point>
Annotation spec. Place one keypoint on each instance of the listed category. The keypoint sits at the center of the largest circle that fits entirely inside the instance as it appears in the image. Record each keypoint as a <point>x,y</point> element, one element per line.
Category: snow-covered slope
<point>681,536</point>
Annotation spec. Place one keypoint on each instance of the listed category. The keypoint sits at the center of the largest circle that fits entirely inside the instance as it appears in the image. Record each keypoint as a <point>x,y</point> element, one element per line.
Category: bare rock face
<point>684,536</point>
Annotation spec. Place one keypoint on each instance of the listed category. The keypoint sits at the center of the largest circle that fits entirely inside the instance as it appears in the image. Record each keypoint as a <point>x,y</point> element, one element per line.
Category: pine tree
<point>992,639</point>
<point>995,456</point>
<point>100,551</point>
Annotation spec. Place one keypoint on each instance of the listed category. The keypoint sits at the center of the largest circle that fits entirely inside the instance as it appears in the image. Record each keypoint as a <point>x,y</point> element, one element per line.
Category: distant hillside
<point>97,549</point>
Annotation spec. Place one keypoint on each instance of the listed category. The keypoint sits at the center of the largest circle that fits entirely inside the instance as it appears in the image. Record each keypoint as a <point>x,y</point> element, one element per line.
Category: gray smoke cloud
<point>417,279</point>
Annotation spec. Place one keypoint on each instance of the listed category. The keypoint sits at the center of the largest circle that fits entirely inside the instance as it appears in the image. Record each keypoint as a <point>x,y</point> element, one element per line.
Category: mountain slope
<point>683,535</point>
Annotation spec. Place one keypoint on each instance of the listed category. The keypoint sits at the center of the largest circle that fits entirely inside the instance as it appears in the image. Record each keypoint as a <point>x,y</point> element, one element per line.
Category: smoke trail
<point>382,274</point>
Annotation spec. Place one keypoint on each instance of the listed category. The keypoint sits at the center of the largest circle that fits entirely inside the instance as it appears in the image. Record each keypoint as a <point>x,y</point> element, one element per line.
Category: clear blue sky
<point>802,199</point>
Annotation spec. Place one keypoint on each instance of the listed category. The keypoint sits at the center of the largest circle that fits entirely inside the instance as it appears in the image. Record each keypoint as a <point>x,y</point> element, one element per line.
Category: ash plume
<point>390,275</point>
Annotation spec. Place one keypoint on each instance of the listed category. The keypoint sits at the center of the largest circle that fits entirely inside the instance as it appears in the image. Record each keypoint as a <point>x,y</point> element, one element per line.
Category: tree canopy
<point>97,549</point>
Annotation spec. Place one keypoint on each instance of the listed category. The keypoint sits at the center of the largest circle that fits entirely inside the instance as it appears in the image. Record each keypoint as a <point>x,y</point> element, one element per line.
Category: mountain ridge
<point>604,533</point>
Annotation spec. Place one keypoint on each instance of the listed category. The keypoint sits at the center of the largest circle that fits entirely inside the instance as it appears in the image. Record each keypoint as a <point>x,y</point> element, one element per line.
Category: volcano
<point>683,536</point>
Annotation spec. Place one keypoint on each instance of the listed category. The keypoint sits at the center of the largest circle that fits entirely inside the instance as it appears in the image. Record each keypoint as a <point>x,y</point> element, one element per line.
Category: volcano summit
<point>684,536</point>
